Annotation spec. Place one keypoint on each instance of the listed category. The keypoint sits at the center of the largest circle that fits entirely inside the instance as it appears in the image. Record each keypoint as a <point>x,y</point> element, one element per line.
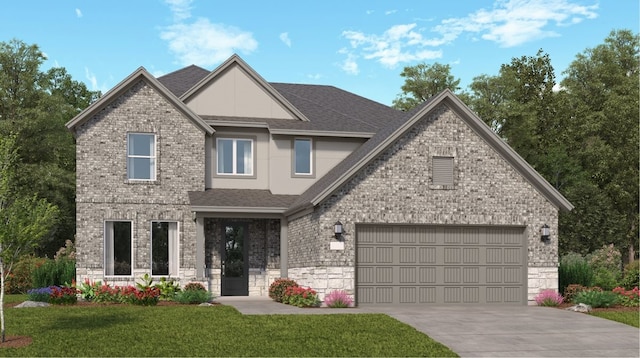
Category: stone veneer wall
<point>396,188</point>
<point>104,193</point>
<point>264,253</point>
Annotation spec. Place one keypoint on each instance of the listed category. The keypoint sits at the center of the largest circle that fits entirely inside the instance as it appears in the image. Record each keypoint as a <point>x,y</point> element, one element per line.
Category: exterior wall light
<point>337,230</point>
<point>545,233</point>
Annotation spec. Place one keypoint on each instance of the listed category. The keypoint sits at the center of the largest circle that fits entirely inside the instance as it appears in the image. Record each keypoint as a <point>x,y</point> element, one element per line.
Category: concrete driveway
<point>492,331</point>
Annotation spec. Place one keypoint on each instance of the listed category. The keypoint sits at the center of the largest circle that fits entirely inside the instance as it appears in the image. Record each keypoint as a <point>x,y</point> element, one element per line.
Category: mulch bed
<point>616,308</point>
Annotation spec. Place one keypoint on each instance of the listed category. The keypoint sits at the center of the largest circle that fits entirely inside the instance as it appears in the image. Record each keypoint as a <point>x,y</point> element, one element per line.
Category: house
<point>226,179</point>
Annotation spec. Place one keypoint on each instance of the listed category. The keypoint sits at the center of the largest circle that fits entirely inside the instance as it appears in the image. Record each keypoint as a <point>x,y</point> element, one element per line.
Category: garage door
<point>440,265</point>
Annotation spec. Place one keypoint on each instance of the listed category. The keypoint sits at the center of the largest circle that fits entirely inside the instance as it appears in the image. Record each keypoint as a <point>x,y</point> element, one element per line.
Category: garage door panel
<point>422,264</point>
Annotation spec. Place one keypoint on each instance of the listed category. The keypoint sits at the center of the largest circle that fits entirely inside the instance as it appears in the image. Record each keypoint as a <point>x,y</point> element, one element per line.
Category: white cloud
<point>206,44</point>
<point>93,82</point>
<point>514,22</point>
<point>389,12</point>
<point>349,65</point>
<point>78,12</point>
<point>316,76</point>
<point>200,41</point>
<point>284,37</point>
<point>399,44</point>
<point>181,9</point>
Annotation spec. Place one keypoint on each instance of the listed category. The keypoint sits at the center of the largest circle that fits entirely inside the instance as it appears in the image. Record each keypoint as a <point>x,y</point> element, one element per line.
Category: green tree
<point>35,105</point>
<point>602,109</point>
<point>24,220</point>
<point>423,81</point>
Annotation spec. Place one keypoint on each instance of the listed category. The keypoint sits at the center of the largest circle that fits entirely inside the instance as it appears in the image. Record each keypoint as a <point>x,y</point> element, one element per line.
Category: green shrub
<point>596,298</point>
<point>631,275</point>
<point>606,264</point>
<point>574,269</point>
<point>19,279</point>
<point>54,273</point>
<point>168,288</point>
<point>193,296</point>
<point>278,288</point>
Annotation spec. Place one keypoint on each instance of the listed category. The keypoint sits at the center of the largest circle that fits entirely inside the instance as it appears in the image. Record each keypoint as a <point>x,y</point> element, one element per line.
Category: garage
<point>420,264</point>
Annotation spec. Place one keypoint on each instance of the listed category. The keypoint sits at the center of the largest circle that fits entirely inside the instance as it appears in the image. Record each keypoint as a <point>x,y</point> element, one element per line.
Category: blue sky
<point>359,46</point>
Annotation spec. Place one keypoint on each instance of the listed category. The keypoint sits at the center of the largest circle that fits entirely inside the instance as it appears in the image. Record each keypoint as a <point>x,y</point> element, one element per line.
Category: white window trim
<point>311,173</point>
<point>108,246</point>
<point>234,157</point>
<point>174,248</point>
<point>153,157</point>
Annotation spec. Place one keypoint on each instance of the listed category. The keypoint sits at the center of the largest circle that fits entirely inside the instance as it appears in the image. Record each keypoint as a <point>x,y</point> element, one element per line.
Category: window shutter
<point>442,171</point>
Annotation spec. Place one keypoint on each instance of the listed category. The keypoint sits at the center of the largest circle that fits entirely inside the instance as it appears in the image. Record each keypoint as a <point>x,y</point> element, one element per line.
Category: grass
<point>632,318</point>
<point>184,330</point>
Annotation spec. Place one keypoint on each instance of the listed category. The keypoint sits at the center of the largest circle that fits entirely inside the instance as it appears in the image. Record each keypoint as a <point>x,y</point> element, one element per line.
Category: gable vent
<point>442,171</point>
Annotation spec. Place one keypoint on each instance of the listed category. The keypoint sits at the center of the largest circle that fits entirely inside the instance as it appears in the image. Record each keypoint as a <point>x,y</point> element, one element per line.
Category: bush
<point>572,290</point>
<point>39,294</point>
<point>193,296</point>
<point>548,298</point>
<point>628,298</point>
<point>194,286</point>
<point>596,298</point>
<point>56,295</point>
<point>278,288</point>
<point>338,299</point>
<point>19,279</point>
<point>606,264</point>
<point>54,273</point>
<point>300,296</point>
<point>631,275</point>
<point>63,295</point>
<point>168,288</point>
<point>574,269</point>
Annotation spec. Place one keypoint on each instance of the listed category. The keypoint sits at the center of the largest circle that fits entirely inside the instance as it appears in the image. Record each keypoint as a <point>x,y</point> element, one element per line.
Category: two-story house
<point>226,179</point>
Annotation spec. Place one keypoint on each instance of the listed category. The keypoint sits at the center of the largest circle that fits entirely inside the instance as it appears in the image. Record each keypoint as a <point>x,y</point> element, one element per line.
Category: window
<point>442,171</point>
<point>302,157</point>
<point>117,248</point>
<point>235,156</point>
<point>164,248</point>
<point>141,156</point>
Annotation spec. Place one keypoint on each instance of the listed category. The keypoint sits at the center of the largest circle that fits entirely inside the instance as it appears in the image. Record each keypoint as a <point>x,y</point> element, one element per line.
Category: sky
<point>359,46</point>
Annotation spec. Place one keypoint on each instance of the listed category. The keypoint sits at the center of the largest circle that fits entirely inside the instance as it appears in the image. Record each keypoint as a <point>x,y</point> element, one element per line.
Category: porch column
<point>199,247</point>
<point>284,247</point>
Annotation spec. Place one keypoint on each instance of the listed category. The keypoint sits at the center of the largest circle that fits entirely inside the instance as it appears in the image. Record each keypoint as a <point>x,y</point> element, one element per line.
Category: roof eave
<point>123,86</point>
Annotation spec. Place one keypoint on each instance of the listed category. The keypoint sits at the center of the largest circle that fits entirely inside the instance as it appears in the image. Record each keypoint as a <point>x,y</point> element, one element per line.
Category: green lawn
<point>632,318</point>
<point>208,331</point>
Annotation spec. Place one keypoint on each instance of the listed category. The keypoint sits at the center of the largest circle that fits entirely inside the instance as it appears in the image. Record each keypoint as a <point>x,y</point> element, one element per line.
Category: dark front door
<point>235,268</point>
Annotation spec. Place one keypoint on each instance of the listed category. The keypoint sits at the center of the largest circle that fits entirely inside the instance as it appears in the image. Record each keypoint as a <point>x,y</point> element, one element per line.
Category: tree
<point>24,220</point>
<point>423,81</point>
<point>602,109</point>
<point>34,106</point>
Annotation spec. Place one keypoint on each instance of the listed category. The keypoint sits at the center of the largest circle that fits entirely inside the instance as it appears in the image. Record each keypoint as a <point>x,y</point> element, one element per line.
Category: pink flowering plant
<point>548,298</point>
<point>301,296</point>
<point>628,298</point>
<point>338,299</point>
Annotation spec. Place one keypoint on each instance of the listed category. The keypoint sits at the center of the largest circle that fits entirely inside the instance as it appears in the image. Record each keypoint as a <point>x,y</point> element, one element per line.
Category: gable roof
<point>235,60</point>
<point>141,74</point>
<point>384,138</point>
<point>180,81</point>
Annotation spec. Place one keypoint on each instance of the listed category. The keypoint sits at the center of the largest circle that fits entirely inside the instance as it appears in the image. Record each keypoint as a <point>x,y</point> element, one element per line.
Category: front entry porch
<point>242,255</point>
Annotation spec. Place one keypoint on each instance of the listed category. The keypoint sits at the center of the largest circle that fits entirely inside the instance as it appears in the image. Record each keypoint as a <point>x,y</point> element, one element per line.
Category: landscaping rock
<point>580,307</point>
<point>31,304</point>
<point>206,304</point>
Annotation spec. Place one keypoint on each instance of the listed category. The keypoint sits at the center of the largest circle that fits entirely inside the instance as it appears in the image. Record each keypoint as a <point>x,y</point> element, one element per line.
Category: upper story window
<point>235,156</point>
<point>141,156</point>
<point>302,156</point>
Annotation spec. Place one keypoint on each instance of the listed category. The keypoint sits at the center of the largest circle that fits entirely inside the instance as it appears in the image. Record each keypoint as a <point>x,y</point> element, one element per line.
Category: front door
<point>235,268</point>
